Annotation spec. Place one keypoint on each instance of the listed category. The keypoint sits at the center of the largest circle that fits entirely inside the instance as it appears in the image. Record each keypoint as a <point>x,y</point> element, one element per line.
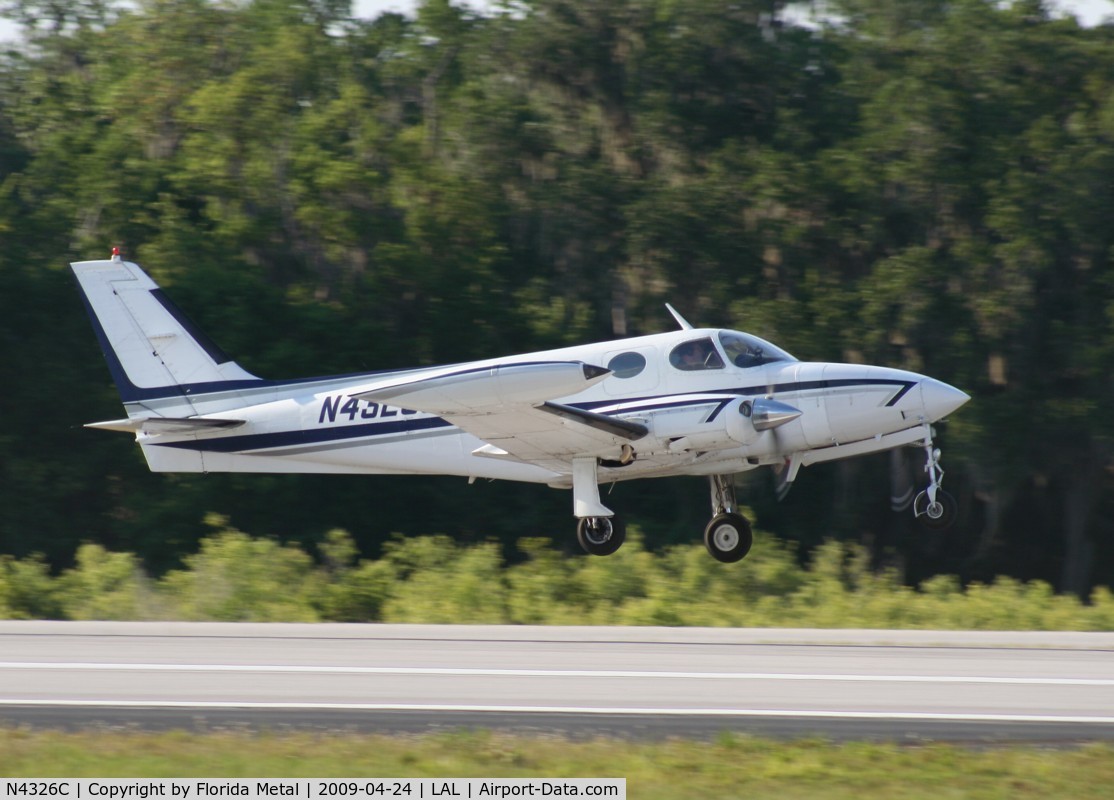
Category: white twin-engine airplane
<point>695,401</point>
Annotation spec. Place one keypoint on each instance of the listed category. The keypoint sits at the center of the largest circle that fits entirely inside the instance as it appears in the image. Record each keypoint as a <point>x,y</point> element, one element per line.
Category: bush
<point>107,585</point>
<point>27,589</point>
<point>434,580</point>
<point>444,582</point>
<point>237,578</point>
<point>352,592</point>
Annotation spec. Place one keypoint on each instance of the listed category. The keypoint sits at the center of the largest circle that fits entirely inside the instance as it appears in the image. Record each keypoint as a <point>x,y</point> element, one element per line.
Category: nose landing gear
<point>935,508</point>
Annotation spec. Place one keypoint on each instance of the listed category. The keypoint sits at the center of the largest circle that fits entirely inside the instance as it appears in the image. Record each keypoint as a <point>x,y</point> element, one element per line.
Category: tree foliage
<point>924,185</point>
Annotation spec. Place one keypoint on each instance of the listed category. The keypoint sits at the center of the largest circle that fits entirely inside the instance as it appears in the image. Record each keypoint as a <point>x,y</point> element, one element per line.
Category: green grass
<point>730,767</point>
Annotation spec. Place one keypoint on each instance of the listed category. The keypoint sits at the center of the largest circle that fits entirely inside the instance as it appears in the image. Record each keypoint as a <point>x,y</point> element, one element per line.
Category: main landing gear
<point>728,536</point>
<point>598,530</point>
<point>935,508</point>
<point>601,536</point>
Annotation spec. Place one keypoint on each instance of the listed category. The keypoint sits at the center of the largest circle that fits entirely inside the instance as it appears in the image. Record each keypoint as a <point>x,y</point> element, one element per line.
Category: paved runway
<point>644,682</point>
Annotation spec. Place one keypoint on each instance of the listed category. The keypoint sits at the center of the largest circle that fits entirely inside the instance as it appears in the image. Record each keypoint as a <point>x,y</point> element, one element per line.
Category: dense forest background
<point>926,184</point>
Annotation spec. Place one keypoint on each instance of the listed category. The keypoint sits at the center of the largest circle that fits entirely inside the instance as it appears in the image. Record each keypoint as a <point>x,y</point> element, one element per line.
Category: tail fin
<point>153,350</point>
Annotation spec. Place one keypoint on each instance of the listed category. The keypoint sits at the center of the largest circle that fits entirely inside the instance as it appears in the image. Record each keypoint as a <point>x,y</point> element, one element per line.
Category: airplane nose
<point>940,399</point>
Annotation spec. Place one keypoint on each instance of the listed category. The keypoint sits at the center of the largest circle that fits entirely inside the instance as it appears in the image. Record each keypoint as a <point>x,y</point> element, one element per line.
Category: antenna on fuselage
<point>684,323</point>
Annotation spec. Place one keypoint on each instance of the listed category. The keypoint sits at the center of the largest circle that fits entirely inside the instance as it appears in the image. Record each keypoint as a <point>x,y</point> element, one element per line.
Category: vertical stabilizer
<point>152,349</point>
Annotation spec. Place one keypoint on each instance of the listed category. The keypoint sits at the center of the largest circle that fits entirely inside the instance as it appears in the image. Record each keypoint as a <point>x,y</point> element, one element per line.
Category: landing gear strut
<point>598,530</point>
<point>935,508</point>
<point>728,536</point>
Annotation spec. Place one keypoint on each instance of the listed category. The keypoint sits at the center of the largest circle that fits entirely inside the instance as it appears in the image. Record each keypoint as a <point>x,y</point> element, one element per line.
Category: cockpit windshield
<point>744,350</point>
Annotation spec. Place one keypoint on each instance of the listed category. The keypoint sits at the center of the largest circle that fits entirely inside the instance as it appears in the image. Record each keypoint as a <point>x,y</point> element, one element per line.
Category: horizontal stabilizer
<point>157,425</point>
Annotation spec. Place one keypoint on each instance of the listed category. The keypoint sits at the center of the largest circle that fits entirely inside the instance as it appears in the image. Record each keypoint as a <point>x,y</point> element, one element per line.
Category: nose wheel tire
<point>728,537</point>
<point>939,515</point>
<point>600,536</point>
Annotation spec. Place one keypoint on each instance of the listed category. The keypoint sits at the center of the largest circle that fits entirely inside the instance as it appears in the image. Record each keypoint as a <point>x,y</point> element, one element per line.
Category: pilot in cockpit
<point>698,354</point>
<point>692,356</point>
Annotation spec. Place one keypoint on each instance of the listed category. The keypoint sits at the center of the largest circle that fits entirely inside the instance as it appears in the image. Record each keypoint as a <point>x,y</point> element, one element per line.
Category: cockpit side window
<point>749,351</point>
<point>696,354</point>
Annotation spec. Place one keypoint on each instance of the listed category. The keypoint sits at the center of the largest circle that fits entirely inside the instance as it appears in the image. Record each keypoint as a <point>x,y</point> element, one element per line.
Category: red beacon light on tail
<point>115,253</point>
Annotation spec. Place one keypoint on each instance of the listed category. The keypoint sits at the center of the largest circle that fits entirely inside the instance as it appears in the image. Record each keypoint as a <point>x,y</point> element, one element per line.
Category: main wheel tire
<point>939,516</point>
<point>600,536</point>
<point>728,537</point>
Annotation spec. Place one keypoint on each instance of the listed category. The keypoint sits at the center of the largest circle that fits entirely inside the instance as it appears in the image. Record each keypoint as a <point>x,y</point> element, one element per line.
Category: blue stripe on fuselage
<point>266,441</point>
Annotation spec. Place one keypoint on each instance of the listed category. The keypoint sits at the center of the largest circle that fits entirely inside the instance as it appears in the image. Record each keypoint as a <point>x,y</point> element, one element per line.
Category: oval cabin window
<point>627,365</point>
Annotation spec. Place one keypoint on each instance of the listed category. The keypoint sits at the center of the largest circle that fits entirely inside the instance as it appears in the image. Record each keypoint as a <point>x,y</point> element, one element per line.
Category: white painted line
<point>548,673</point>
<point>592,710</point>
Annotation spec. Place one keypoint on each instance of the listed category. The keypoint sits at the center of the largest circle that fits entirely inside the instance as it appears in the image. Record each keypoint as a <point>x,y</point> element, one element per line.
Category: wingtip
<point>123,425</point>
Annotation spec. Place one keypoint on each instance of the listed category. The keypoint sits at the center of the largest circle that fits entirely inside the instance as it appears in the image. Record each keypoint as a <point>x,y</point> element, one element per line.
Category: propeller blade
<point>902,488</point>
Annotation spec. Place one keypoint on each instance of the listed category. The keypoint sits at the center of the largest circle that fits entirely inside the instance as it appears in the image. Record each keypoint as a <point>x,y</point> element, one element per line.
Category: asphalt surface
<point>576,681</point>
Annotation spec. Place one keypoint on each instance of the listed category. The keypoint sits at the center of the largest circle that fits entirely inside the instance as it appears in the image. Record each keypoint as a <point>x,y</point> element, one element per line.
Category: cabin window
<point>696,354</point>
<point>627,365</point>
<point>750,351</point>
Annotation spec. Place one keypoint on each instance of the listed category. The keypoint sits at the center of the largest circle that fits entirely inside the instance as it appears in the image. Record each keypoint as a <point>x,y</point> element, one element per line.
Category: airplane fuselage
<point>317,427</point>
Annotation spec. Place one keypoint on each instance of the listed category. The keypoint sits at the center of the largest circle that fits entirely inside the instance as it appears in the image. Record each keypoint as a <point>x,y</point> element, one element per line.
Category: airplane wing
<point>511,408</point>
<point>483,387</point>
<point>549,435</point>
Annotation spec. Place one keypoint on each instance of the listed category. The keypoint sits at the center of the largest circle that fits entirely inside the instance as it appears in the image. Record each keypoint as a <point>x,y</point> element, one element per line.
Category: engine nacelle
<point>706,427</point>
<point>739,419</point>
